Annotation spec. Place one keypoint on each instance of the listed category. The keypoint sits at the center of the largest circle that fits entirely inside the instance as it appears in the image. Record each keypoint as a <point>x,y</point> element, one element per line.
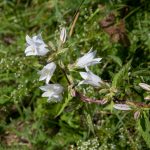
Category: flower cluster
<point>89,77</point>
<point>36,46</point>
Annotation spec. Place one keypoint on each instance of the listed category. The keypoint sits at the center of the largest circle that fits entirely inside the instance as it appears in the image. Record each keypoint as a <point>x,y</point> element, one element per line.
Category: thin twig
<point>73,24</point>
<point>89,100</point>
<point>103,101</point>
<point>64,72</point>
<point>75,18</point>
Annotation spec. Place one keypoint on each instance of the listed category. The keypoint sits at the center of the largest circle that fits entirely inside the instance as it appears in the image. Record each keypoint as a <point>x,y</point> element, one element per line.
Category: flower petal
<point>30,51</point>
<point>47,94</point>
<point>45,88</point>
<point>50,66</point>
<point>29,40</point>
<point>48,78</point>
<point>84,75</point>
<point>42,77</point>
<point>58,88</point>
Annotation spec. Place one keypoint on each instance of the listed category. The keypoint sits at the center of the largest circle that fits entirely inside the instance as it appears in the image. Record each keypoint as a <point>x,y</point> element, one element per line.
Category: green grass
<point>27,121</point>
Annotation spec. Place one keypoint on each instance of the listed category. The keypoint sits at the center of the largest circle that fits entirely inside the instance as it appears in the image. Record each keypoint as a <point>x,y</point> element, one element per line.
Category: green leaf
<point>141,72</point>
<point>122,74</point>
<point>4,99</point>
<point>89,122</point>
<point>116,60</point>
<point>144,128</point>
<point>64,104</point>
<point>71,119</point>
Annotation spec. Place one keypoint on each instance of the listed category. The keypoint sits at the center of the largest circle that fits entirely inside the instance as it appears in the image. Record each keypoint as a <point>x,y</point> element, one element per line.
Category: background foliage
<point>27,121</point>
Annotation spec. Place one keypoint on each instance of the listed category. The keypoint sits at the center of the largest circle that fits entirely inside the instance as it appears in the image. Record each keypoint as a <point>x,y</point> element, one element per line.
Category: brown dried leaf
<point>117,32</point>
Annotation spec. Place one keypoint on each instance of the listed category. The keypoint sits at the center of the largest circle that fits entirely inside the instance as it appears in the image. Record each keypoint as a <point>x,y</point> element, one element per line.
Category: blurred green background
<point>27,121</point>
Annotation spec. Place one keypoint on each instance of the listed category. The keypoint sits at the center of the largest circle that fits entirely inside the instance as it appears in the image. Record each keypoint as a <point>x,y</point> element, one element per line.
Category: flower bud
<point>145,86</point>
<point>63,35</point>
<point>136,115</point>
<point>121,107</point>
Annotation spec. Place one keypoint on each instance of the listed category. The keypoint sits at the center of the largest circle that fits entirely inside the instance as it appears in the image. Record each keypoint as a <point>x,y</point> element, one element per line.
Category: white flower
<point>144,86</point>
<point>47,72</point>
<point>52,91</point>
<point>88,59</point>
<point>121,107</point>
<point>63,35</point>
<point>90,78</point>
<point>35,46</point>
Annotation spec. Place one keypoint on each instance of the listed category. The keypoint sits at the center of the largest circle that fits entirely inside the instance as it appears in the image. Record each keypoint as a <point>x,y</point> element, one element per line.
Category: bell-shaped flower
<point>47,72</point>
<point>122,107</point>
<point>145,86</point>
<point>88,60</point>
<point>35,46</point>
<point>53,92</point>
<point>90,78</point>
<point>63,35</point>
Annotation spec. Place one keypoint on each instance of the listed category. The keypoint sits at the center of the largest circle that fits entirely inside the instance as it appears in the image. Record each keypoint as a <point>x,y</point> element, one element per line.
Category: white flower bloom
<point>145,86</point>
<point>52,91</point>
<point>90,78</point>
<point>88,59</point>
<point>47,72</point>
<point>63,35</point>
<point>121,107</point>
<point>35,46</point>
